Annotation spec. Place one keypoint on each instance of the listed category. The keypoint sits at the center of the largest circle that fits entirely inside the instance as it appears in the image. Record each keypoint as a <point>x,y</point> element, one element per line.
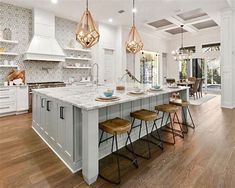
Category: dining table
<point>186,83</point>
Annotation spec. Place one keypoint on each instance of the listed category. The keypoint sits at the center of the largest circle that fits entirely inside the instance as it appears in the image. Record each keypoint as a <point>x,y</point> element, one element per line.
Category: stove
<point>39,85</point>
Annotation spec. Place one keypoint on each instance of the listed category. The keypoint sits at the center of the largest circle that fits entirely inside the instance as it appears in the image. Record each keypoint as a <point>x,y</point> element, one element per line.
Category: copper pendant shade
<point>87,33</point>
<point>134,43</point>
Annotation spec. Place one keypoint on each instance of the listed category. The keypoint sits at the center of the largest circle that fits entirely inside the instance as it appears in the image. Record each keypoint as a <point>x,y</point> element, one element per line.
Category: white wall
<point>205,36</point>
<point>110,38</point>
<point>151,42</point>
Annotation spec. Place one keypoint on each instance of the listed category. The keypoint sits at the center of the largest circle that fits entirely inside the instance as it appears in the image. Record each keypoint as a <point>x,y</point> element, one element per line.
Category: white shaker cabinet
<point>65,128</point>
<point>53,121</point>
<point>13,100</point>
<point>22,101</point>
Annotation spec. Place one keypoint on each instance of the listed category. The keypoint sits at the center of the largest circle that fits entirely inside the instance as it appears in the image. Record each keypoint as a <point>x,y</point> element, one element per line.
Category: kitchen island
<point>67,120</point>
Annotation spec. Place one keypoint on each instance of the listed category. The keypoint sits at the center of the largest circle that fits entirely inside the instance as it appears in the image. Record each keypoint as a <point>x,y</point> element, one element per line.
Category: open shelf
<point>78,58</point>
<point>9,53</point>
<point>77,49</point>
<point>73,67</point>
<point>8,41</point>
<point>8,66</point>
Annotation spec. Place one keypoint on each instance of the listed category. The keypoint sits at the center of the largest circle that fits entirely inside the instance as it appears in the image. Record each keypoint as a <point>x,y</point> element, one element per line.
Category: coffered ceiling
<point>161,16</point>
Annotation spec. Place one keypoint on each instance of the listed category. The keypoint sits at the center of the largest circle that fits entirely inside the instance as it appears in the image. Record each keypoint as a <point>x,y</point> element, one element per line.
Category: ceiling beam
<point>178,21</point>
<point>198,20</point>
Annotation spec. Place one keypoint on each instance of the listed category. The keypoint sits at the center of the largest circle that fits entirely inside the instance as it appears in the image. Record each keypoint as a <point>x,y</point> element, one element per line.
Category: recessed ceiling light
<point>54,1</point>
<point>110,20</point>
<point>134,10</point>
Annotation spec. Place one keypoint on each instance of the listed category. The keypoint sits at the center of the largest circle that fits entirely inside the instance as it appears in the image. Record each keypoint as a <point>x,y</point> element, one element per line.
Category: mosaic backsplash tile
<point>19,20</point>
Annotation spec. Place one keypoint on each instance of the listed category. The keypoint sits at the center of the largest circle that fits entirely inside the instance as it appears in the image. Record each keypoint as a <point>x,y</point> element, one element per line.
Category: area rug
<point>202,100</point>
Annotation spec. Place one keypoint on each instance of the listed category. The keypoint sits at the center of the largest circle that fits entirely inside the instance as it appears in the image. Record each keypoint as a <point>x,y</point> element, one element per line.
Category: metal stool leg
<point>173,133</point>
<point>191,118</point>
<point>148,140</point>
<point>118,162</point>
<point>184,121</point>
<point>180,125</point>
<point>101,138</point>
<point>133,153</point>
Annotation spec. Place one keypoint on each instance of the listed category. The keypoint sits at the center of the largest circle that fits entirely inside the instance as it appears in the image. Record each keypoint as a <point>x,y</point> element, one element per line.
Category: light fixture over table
<point>87,33</point>
<point>182,53</point>
<point>134,43</point>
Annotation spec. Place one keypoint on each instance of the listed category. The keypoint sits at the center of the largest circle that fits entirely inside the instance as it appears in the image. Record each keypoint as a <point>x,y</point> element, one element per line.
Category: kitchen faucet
<point>97,73</point>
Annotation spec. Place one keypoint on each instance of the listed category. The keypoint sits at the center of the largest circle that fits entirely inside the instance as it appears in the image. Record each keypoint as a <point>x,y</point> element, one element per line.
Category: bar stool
<point>184,104</point>
<point>170,109</point>
<point>117,126</point>
<point>145,116</point>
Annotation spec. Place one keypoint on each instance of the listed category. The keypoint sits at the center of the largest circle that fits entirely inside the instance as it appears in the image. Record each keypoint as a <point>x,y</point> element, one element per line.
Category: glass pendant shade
<point>134,43</point>
<point>87,33</point>
<point>182,53</point>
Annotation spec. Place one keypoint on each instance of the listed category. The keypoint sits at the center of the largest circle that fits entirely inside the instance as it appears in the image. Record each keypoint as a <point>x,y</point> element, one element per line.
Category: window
<point>184,69</point>
<point>211,47</point>
<point>191,49</point>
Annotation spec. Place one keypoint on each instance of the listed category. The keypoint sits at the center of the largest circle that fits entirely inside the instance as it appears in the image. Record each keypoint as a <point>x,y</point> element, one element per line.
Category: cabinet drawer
<point>7,107</point>
<point>7,98</point>
<point>7,91</point>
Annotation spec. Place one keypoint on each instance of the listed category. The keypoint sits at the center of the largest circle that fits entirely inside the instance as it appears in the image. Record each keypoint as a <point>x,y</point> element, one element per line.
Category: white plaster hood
<point>43,46</point>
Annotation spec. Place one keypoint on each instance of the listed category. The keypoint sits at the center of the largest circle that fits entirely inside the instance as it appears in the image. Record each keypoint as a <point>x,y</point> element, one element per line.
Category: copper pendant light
<point>134,43</point>
<point>87,33</point>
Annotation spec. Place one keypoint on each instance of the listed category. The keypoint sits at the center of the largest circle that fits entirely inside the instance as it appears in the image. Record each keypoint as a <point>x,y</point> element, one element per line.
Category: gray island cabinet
<point>67,120</point>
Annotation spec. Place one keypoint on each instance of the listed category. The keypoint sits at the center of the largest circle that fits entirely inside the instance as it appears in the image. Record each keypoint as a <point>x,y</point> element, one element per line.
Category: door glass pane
<point>184,69</point>
<point>213,74</point>
<point>198,68</point>
<point>149,68</point>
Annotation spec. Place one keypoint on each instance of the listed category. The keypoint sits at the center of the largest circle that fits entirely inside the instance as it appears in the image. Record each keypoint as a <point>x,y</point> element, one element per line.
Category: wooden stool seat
<point>115,126</point>
<point>144,115</point>
<point>168,108</point>
<point>180,102</point>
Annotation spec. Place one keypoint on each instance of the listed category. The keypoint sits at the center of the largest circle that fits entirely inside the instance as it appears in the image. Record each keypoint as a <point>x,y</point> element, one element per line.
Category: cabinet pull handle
<point>1,108</point>
<point>4,97</point>
<point>42,102</point>
<point>48,106</point>
<point>61,112</point>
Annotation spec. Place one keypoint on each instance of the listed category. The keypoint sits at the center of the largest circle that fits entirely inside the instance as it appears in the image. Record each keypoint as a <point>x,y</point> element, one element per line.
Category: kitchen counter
<point>67,120</point>
<point>84,96</point>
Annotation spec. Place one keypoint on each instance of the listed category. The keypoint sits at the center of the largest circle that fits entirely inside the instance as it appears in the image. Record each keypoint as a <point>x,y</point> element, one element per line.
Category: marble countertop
<point>84,96</point>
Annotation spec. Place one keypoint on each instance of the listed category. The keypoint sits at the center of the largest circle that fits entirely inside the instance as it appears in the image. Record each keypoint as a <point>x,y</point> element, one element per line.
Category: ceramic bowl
<point>108,93</point>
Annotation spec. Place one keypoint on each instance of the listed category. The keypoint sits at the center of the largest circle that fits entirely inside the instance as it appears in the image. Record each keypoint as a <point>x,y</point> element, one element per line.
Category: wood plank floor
<point>205,158</point>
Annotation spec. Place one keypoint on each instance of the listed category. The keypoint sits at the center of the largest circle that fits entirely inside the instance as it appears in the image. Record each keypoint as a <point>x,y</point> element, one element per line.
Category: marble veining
<point>84,96</point>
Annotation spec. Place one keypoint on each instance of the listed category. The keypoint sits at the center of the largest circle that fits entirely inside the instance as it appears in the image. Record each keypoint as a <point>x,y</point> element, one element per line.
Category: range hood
<point>43,46</point>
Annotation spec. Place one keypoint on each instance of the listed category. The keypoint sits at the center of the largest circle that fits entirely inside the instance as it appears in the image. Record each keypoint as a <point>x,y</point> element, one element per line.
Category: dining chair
<point>194,89</point>
<point>192,79</point>
<point>200,88</point>
<point>170,80</point>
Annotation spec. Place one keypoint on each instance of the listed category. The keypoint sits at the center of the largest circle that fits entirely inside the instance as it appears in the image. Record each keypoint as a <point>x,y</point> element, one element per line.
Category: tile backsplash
<point>19,20</point>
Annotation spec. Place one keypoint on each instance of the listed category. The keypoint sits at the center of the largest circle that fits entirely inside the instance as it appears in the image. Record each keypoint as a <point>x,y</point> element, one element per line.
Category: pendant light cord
<point>133,11</point>
<point>182,37</point>
<point>87,4</point>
